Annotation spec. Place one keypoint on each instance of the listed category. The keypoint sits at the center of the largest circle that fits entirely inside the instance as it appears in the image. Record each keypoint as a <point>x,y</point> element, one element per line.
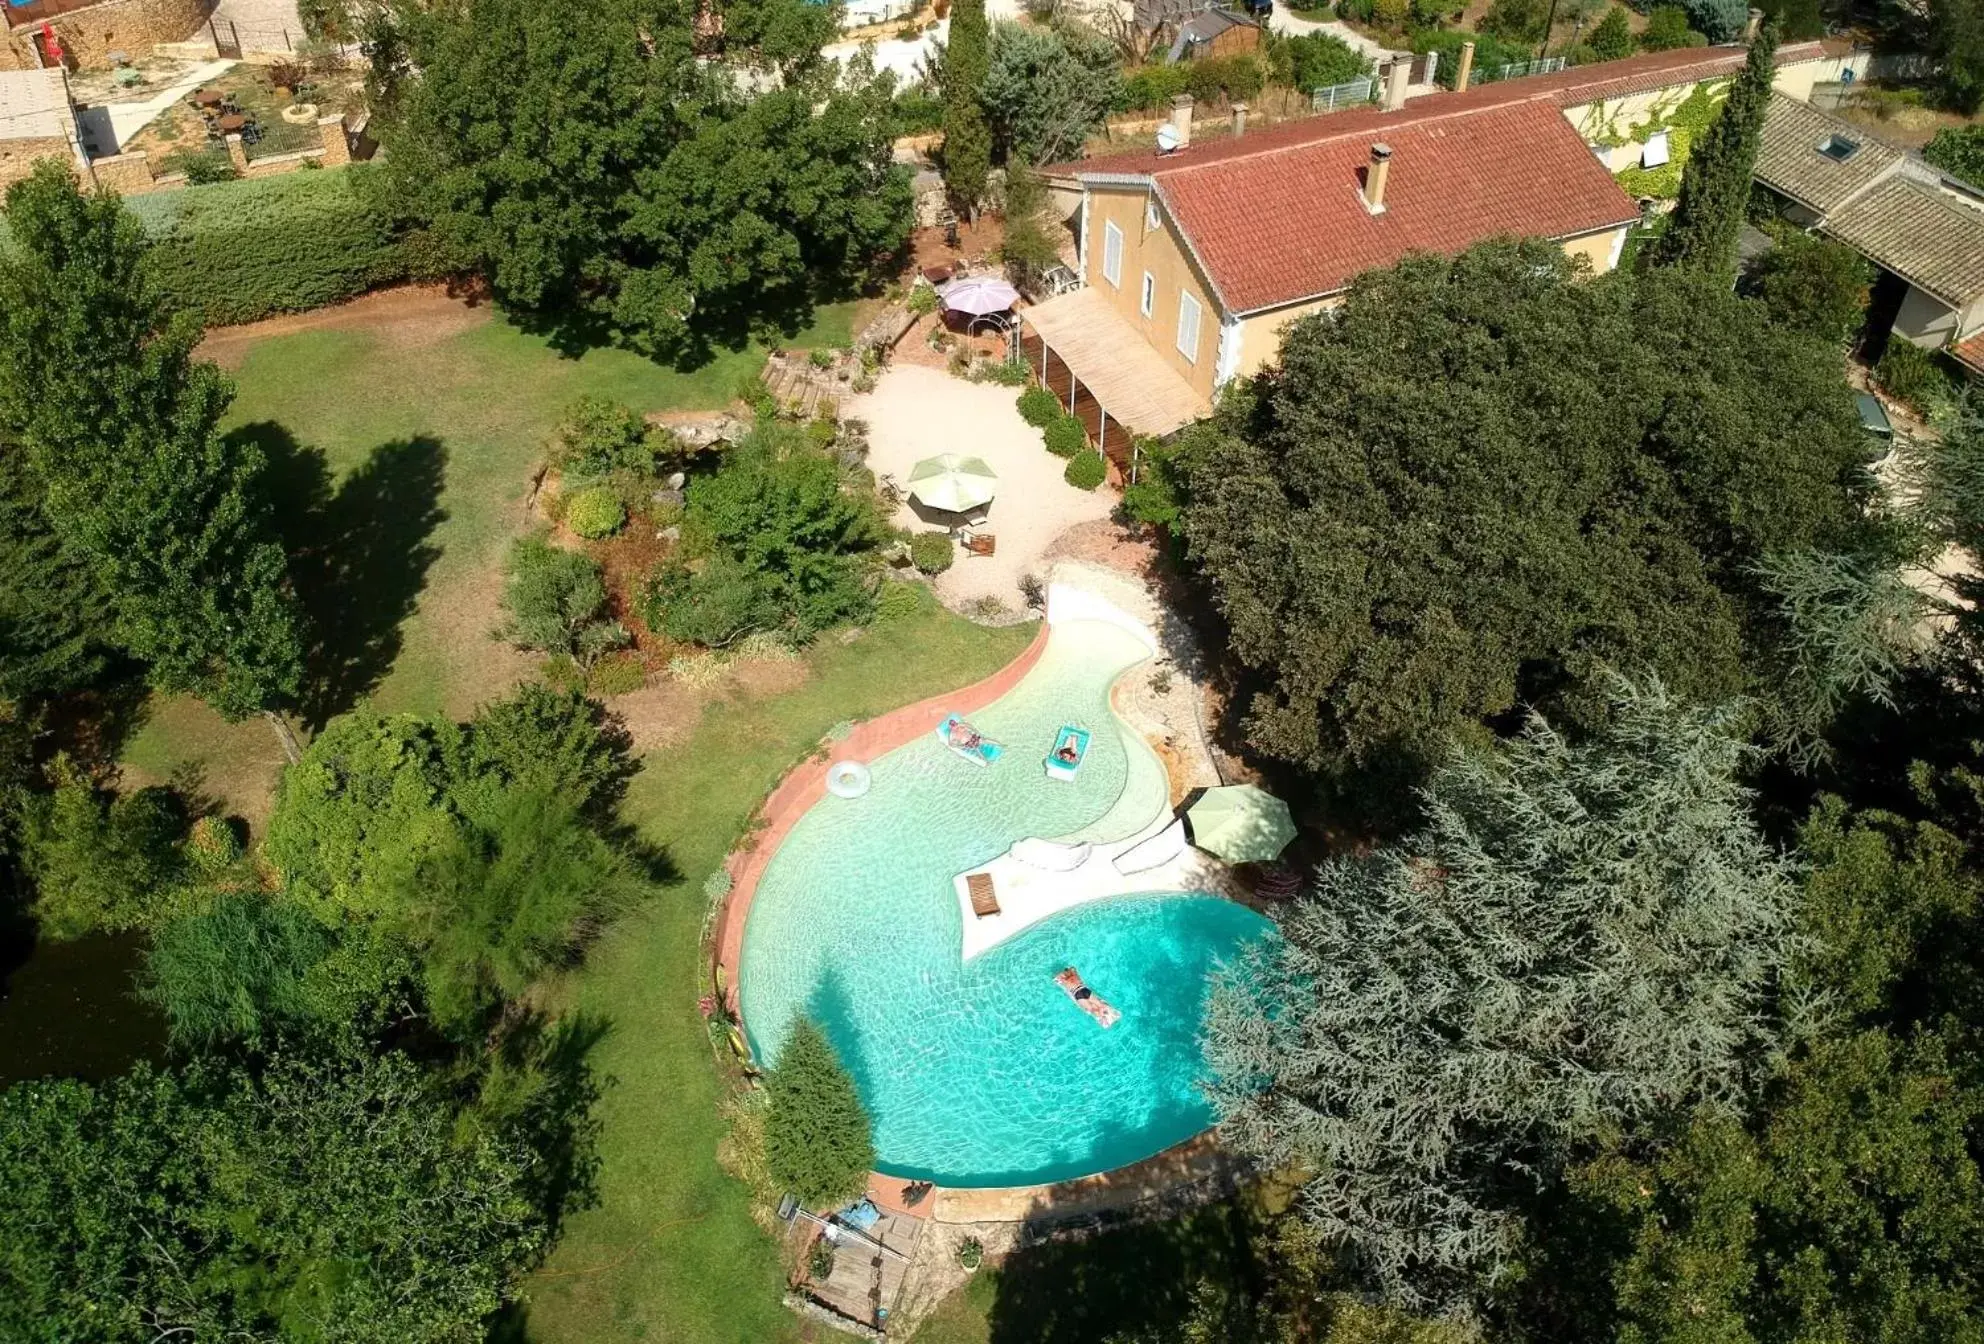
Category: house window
<point>1188,328</point>
<point>1150,293</point>
<point>1112,253</point>
<point>1150,214</point>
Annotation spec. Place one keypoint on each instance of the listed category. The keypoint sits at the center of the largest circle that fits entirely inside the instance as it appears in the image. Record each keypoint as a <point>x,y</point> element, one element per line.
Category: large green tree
<point>1484,478</point>
<point>1715,183</point>
<point>323,1199</point>
<point>817,1140</point>
<point>1581,939</point>
<point>594,167</point>
<point>119,425</point>
<point>53,627</point>
<point>1047,90</point>
<point>967,151</point>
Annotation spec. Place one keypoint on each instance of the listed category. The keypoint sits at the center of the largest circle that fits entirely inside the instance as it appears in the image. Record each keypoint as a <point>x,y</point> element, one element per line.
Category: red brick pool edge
<point>806,783</point>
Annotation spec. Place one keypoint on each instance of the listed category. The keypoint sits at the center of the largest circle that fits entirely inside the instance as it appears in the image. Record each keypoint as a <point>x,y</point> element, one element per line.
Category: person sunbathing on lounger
<point>964,739</point>
<point>1067,753</point>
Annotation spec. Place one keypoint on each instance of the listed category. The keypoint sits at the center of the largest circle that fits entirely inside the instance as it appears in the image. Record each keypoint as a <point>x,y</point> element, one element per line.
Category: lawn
<point>671,1253</point>
<point>405,451</point>
<point>411,447</point>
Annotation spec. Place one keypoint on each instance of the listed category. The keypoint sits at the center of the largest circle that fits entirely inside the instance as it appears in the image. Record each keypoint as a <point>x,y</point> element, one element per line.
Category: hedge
<point>238,251</point>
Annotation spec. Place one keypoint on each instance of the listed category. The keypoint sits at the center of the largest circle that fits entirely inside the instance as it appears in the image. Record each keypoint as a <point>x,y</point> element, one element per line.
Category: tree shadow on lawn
<point>358,555</point>
<point>1136,1282</point>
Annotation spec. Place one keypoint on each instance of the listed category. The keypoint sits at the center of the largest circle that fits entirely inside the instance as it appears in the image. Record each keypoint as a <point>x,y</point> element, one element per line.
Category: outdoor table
<point>231,123</point>
<point>208,97</point>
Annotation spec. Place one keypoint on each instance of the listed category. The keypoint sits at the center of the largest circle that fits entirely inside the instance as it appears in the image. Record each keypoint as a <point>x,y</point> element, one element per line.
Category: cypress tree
<point>52,631</point>
<point>1580,940</point>
<point>1715,184</point>
<point>967,137</point>
<point>120,427</point>
<point>817,1142</point>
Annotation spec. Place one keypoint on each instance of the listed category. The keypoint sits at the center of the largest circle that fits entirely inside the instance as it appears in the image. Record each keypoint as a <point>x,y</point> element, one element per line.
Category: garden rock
<point>672,495</point>
<point>708,431</point>
<point>676,480</point>
<point>668,534</point>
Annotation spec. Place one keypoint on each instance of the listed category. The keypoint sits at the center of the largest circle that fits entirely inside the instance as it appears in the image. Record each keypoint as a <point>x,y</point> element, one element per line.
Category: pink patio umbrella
<point>979,295</point>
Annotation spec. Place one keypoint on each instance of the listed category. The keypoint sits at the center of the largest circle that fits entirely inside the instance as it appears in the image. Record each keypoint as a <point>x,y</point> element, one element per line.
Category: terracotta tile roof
<point>1923,235</point>
<point>1789,161</point>
<point>1970,353</point>
<point>1274,216</point>
<point>1282,224</point>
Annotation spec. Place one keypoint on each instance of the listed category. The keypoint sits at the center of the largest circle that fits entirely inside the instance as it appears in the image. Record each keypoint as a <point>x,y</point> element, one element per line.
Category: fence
<point>1356,93</point>
<point>1549,65</point>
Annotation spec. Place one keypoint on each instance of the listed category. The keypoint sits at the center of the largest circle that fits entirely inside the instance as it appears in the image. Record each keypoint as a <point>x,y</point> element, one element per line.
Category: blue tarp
<point>860,1216</point>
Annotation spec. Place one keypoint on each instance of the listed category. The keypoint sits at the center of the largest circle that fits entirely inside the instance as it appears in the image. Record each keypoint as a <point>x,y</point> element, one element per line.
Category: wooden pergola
<point>1105,372</point>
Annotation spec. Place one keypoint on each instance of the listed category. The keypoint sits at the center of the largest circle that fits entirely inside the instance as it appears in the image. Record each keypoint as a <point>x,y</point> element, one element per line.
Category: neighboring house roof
<point>1817,160</point>
<point>1970,353</point>
<point>1876,198</point>
<point>1274,219</point>
<point>1919,232</point>
<point>34,105</point>
<point>1201,29</point>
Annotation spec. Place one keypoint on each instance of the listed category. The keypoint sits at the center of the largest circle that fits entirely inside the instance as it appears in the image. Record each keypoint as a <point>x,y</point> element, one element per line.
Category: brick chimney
<point>1239,120</point>
<point>1396,80</point>
<point>1374,178</point>
<point>1181,118</point>
<point>1465,73</point>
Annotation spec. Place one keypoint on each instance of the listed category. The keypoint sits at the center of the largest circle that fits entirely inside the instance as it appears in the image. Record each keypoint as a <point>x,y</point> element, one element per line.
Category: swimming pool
<point>983,1073</point>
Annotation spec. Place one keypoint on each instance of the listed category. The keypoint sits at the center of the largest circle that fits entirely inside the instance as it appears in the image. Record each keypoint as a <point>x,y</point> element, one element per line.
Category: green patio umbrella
<point>953,483</point>
<point>1240,823</point>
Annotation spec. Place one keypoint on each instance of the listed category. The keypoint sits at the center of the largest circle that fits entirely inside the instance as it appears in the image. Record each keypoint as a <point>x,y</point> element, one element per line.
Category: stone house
<point>36,123</point>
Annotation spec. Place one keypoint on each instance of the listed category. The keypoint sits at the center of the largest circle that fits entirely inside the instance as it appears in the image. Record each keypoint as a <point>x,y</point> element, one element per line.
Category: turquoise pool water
<point>985,1074</point>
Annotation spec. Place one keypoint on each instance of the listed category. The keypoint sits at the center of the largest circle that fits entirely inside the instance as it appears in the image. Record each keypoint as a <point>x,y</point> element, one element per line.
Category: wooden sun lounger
<point>984,901</point>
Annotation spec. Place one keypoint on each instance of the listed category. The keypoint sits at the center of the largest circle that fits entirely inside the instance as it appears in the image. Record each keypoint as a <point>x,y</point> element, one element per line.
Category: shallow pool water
<point>986,1074</point>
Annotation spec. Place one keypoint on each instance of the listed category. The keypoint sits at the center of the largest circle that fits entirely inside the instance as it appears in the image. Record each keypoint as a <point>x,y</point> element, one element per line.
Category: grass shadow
<point>359,555</point>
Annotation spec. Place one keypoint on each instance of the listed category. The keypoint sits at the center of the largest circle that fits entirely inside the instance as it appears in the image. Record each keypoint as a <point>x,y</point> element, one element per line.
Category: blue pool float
<point>1070,749</point>
<point>968,742</point>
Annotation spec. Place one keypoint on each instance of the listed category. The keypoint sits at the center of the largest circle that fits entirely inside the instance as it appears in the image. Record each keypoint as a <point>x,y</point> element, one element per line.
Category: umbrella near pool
<point>1240,823</point>
<point>953,483</point>
<point>979,295</point>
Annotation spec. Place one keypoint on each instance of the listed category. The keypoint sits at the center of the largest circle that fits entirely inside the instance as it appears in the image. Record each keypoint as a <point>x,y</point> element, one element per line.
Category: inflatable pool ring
<point>847,779</point>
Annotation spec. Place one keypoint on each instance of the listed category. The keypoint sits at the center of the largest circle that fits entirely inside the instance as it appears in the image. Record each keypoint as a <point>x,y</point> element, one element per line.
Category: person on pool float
<point>1068,753</point>
<point>964,739</point>
<point>1084,994</point>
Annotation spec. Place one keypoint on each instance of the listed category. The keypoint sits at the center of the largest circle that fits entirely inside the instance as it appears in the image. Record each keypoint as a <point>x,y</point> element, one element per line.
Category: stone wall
<point>18,157</point>
<point>88,36</point>
<point>132,174</point>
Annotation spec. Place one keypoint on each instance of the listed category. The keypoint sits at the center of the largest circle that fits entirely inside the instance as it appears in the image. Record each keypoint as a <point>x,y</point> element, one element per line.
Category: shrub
<point>213,846</point>
<point>931,552</point>
<point>898,601</point>
<point>1065,437</point>
<point>595,513</point>
<point>598,436</point>
<point>100,862</point>
<point>1354,11</point>
<point>1491,53</point>
<point>239,251</point>
<point>1318,60</point>
<point>1718,20</point>
<point>1667,28</point>
<point>1813,284</point>
<point>1086,470</point>
<point>1612,39</point>
<point>1958,151</point>
<point>820,1261</point>
<point>1911,374</point>
<point>817,1139</point>
<point>960,362</point>
<point>1517,20</point>
<point>1151,88</point>
<point>1003,372</point>
<point>556,602</point>
<point>971,1253</point>
<point>922,300</point>
<point>1225,79</point>
<point>1038,407</point>
<point>202,167</point>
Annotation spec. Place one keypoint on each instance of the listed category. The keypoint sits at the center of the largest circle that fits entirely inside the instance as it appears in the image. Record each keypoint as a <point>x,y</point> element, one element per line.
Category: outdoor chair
<point>980,543</point>
<point>1060,280</point>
